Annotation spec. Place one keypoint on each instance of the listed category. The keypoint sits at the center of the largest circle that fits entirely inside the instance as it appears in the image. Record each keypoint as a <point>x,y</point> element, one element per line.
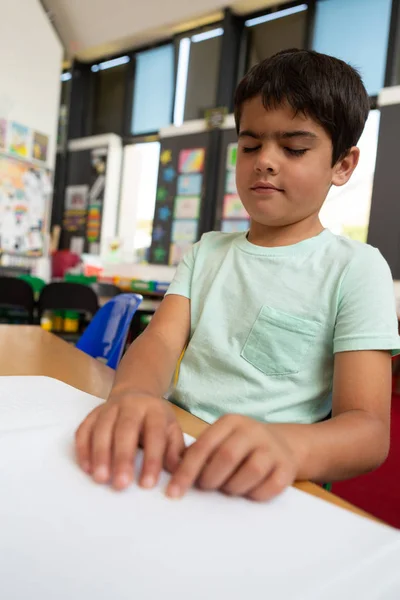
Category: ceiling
<point>92,29</point>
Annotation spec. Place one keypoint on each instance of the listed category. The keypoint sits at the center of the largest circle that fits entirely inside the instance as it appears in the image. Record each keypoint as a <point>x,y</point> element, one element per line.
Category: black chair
<point>17,300</point>
<point>105,290</point>
<point>68,296</point>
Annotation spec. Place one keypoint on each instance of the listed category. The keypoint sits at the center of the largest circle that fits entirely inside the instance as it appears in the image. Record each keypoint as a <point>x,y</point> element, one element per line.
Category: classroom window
<point>138,197</point>
<point>346,209</point>
<point>153,90</point>
<point>356,32</point>
<point>63,114</point>
<point>109,81</point>
<point>276,31</point>
<point>197,74</point>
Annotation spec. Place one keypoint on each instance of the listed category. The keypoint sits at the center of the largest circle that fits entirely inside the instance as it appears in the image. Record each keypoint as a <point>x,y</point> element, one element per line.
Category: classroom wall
<point>30,65</point>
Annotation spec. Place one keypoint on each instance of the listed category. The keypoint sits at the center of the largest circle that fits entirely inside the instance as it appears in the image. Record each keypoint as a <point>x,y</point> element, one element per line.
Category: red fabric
<point>379,492</point>
<point>61,261</point>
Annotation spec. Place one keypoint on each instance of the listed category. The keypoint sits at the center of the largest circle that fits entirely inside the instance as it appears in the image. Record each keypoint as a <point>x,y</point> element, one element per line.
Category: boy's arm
<point>244,457</point>
<point>149,364</point>
<point>107,440</point>
<point>356,439</point>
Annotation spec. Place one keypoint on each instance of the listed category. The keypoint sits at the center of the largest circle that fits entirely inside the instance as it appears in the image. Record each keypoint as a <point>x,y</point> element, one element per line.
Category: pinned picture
<point>189,185</point>
<point>191,160</point>
<point>76,197</point>
<point>3,134</point>
<point>159,254</point>
<point>158,233</point>
<point>164,213</point>
<point>19,140</point>
<point>161,194</point>
<point>234,226</point>
<point>187,207</point>
<point>184,231</point>
<point>233,208</point>
<point>230,183</point>
<point>168,174</point>
<point>166,157</point>
<point>231,156</point>
<point>178,251</point>
<point>40,146</point>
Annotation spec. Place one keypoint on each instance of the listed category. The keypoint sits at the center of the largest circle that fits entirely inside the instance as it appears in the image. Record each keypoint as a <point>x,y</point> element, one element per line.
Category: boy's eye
<point>250,148</point>
<point>294,152</point>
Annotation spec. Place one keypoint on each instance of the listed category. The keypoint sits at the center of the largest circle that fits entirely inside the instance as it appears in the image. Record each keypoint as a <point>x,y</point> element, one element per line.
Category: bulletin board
<point>231,216</point>
<point>179,197</point>
<point>25,191</point>
<point>84,199</point>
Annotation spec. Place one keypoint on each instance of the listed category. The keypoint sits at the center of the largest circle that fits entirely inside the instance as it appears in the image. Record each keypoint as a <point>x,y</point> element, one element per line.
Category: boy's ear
<point>345,166</point>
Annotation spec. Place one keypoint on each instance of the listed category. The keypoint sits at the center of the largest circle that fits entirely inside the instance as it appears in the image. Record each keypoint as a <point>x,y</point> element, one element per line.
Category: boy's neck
<point>265,235</point>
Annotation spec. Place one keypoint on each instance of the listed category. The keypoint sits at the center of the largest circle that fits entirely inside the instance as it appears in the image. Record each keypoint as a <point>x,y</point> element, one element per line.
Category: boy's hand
<point>107,440</point>
<point>239,456</point>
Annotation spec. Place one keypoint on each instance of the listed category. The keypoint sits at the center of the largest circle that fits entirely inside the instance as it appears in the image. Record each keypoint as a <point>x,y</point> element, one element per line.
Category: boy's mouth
<point>263,187</point>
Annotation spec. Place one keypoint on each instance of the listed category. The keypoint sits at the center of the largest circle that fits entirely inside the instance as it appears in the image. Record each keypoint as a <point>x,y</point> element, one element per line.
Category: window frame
<point>308,30</point>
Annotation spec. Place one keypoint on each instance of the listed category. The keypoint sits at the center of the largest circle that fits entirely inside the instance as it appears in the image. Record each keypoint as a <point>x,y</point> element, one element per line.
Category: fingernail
<point>121,481</point>
<point>174,491</point>
<point>86,466</point>
<point>148,481</point>
<point>101,474</point>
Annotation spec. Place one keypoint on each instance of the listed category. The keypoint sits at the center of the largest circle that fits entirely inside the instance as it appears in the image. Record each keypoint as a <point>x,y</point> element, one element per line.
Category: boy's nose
<point>267,163</point>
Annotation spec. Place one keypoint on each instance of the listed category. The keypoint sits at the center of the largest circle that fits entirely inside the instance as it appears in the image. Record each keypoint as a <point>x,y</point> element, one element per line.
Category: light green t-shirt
<point>266,323</point>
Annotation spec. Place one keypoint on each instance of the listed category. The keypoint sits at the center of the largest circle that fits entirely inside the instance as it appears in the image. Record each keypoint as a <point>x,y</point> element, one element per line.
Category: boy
<point>289,328</point>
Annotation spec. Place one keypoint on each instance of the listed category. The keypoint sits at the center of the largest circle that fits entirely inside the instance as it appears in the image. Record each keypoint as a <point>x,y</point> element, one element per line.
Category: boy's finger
<point>83,440</point>
<point>126,440</point>
<point>175,448</point>
<point>225,461</point>
<point>154,443</point>
<point>195,458</point>
<point>255,469</point>
<point>274,484</point>
<point>102,438</point>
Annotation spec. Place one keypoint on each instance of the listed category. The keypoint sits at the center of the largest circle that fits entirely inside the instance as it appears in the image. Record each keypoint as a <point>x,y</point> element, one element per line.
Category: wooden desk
<point>28,350</point>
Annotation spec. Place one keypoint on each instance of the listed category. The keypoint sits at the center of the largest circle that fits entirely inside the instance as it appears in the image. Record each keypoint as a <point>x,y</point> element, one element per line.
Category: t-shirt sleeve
<point>182,283</point>
<point>366,317</point>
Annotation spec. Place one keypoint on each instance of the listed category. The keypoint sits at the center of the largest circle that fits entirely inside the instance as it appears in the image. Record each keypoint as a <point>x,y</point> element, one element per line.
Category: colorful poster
<point>93,224</point>
<point>3,134</point>
<point>189,185</point>
<point>187,207</point>
<point>24,195</point>
<point>191,160</point>
<point>76,197</point>
<point>40,146</point>
<point>19,140</point>
<point>230,183</point>
<point>233,208</point>
<point>74,220</point>
<point>177,252</point>
<point>231,157</point>
<point>235,226</point>
<point>184,231</point>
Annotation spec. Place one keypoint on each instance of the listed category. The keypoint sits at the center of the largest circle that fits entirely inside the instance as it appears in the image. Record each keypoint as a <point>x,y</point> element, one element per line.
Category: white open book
<point>64,537</point>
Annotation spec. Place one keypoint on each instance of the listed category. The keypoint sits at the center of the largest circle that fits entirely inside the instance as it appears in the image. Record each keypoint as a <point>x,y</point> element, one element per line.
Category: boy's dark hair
<point>322,87</point>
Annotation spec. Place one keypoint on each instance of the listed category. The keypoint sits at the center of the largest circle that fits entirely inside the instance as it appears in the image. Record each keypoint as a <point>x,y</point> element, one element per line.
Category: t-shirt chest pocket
<point>278,343</point>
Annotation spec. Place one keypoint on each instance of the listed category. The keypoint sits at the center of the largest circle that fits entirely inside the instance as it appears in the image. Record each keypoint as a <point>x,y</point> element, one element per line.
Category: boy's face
<point>284,164</point>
